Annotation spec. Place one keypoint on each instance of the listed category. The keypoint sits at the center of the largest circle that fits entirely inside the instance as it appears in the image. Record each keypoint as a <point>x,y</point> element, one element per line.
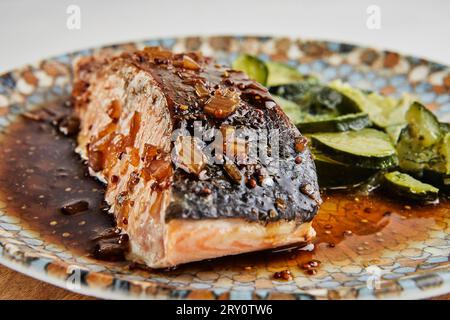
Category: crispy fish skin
<point>129,107</point>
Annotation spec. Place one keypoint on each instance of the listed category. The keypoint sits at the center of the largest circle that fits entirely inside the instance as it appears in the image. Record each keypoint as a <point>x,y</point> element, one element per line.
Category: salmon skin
<point>199,161</point>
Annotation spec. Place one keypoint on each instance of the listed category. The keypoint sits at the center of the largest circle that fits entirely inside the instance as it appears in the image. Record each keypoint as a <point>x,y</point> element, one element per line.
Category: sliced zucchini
<point>280,74</point>
<point>352,121</point>
<point>444,165</point>
<point>255,68</point>
<point>404,185</point>
<point>334,174</point>
<point>308,123</point>
<point>383,111</point>
<point>308,93</point>
<point>367,148</point>
<point>442,149</point>
<point>292,110</point>
<point>314,99</point>
<point>412,156</point>
<point>445,153</point>
<point>394,132</point>
<point>422,145</point>
<point>423,125</point>
<point>445,127</point>
<point>390,112</point>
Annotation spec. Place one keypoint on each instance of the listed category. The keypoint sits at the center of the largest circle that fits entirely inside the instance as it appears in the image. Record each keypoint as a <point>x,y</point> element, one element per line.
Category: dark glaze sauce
<point>44,182</point>
<point>40,173</point>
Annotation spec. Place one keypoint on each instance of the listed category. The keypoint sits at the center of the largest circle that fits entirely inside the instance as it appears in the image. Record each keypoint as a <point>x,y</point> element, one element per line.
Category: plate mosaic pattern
<point>417,269</point>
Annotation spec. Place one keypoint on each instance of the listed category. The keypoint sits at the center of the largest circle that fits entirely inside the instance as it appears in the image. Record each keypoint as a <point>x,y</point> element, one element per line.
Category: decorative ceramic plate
<point>392,251</point>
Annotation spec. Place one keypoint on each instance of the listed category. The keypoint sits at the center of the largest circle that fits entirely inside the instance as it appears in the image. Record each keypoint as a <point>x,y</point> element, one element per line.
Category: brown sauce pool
<point>40,173</point>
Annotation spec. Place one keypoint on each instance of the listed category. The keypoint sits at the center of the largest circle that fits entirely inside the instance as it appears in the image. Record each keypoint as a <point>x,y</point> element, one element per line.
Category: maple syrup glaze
<point>42,180</point>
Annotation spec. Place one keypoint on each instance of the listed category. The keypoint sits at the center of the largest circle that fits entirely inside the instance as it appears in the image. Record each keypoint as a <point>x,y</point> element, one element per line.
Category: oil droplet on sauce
<point>40,173</point>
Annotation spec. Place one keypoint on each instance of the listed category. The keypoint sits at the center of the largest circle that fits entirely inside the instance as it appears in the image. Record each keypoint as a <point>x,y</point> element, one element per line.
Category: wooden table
<point>14,285</point>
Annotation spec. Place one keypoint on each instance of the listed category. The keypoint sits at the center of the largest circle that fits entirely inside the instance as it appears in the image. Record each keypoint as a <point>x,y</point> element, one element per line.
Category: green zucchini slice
<point>292,110</point>
<point>281,74</point>
<point>404,185</point>
<point>445,153</point>
<point>423,145</point>
<point>312,97</point>
<point>367,148</point>
<point>308,123</point>
<point>352,121</point>
<point>383,111</point>
<point>334,174</point>
<point>423,125</point>
<point>387,111</point>
<point>394,132</point>
<point>255,68</point>
<point>413,157</point>
<point>445,127</point>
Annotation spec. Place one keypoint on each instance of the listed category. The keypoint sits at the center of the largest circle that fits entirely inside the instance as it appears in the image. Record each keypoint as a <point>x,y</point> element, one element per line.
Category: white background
<point>30,30</point>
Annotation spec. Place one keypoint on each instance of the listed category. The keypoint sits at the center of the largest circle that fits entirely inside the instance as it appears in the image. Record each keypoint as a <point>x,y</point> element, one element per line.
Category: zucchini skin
<point>316,98</point>
<point>292,110</point>
<point>394,132</point>
<point>281,74</point>
<point>408,187</point>
<point>440,175</point>
<point>423,125</point>
<point>412,156</point>
<point>319,108</point>
<point>424,147</point>
<point>332,174</point>
<point>383,111</point>
<point>353,121</point>
<point>255,68</point>
<point>382,161</point>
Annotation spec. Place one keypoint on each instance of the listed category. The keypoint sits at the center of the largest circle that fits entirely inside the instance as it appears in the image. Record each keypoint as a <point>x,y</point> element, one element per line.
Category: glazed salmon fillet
<point>145,120</point>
